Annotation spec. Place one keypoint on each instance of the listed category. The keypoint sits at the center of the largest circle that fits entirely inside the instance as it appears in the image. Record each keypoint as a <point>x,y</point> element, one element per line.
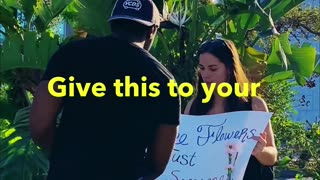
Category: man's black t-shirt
<point>106,137</point>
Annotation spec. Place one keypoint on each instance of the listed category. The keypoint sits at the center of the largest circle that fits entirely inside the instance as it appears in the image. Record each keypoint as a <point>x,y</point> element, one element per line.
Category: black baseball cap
<point>141,11</point>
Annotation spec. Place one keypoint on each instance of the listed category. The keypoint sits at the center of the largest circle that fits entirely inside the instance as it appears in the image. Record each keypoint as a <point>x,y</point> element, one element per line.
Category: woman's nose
<point>205,74</point>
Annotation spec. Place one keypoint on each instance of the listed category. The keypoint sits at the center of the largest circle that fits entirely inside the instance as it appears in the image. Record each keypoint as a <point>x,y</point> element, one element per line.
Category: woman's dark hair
<point>227,53</point>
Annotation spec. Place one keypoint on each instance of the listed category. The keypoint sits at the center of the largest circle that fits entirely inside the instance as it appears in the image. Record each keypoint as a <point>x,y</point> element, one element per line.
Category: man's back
<point>101,136</point>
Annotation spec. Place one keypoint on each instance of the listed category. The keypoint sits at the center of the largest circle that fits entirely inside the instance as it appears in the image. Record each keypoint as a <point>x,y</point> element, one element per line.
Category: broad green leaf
<point>14,140</point>
<point>211,10</point>
<point>306,44</point>
<point>285,43</point>
<point>27,8</point>
<point>43,13</point>
<point>22,155</point>
<point>8,132</point>
<point>218,21</point>
<point>5,147</point>
<point>274,58</point>
<point>276,10</point>
<point>302,60</point>
<point>19,152</point>
<point>281,8</point>
<point>248,20</point>
<point>39,158</point>
<point>7,159</point>
<point>278,76</point>
<point>47,47</point>
<point>30,48</point>
<point>7,109</point>
<point>11,54</point>
<point>7,18</point>
<point>284,161</point>
<point>277,55</point>
<point>253,52</point>
<point>195,16</point>
<point>301,80</point>
<point>35,56</point>
<point>47,12</point>
<point>283,57</point>
<point>266,4</point>
<point>11,4</point>
<point>4,124</point>
<point>100,11</point>
<point>317,69</point>
<point>264,26</point>
<point>204,14</point>
<point>59,5</point>
<point>40,25</point>
<point>232,27</point>
<point>235,7</point>
<point>255,62</point>
<point>22,116</point>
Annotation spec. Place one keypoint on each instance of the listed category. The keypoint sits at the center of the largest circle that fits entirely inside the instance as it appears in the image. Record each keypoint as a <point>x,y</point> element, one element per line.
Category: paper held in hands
<point>215,147</point>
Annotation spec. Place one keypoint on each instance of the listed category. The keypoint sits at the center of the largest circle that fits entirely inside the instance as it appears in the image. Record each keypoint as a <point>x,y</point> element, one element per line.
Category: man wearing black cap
<point>129,131</point>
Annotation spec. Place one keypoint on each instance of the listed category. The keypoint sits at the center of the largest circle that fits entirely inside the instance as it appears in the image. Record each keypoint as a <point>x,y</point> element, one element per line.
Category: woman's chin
<point>208,84</point>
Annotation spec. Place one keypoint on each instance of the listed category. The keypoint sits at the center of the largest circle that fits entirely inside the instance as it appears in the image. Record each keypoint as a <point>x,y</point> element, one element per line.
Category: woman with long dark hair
<point>219,62</point>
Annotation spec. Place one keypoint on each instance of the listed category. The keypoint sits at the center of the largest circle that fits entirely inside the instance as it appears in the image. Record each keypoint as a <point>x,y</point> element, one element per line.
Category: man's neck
<point>139,44</point>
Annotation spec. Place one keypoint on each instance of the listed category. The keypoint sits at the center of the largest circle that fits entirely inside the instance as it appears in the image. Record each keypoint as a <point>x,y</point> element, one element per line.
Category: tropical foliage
<point>298,142</point>
<point>30,41</point>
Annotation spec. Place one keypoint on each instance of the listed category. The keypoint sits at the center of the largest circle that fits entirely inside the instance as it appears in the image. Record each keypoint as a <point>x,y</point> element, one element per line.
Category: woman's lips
<point>208,83</point>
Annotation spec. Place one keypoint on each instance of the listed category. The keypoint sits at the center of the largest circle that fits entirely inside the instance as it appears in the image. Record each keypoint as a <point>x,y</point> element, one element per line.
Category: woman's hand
<point>261,143</point>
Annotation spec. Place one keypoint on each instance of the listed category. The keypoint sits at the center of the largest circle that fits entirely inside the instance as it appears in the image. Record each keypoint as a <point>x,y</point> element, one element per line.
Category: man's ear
<point>152,32</point>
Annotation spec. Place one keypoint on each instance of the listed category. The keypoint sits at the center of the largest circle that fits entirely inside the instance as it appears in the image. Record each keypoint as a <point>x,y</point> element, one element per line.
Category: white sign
<point>215,147</point>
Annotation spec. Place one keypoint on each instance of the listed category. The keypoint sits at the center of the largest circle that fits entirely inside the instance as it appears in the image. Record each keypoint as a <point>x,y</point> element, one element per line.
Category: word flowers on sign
<point>215,147</point>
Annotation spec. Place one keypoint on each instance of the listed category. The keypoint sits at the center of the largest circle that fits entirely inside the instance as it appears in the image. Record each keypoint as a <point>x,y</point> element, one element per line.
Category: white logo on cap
<point>132,4</point>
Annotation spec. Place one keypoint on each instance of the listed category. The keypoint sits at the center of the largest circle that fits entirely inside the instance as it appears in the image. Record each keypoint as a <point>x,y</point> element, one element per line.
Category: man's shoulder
<point>82,48</point>
<point>164,71</point>
<point>88,41</point>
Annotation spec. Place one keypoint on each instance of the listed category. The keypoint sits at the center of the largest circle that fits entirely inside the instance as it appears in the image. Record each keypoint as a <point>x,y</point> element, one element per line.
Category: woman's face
<point>212,70</point>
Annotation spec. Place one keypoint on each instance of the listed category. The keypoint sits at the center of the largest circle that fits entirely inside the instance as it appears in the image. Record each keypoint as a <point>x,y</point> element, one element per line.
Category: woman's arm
<point>265,150</point>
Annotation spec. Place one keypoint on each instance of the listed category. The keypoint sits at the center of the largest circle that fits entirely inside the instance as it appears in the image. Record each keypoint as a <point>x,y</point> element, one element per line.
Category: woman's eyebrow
<point>212,65</point>
<point>209,65</point>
